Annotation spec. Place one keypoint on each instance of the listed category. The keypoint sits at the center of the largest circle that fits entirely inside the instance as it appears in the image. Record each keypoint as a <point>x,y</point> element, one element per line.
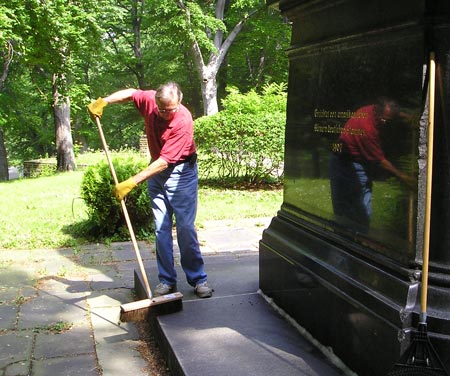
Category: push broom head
<point>143,309</point>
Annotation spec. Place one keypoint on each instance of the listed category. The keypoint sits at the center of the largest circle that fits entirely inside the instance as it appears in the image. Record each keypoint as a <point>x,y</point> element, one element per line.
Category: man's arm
<point>388,166</point>
<point>95,108</point>
<point>125,187</point>
<point>153,169</point>
<point>120,96</point>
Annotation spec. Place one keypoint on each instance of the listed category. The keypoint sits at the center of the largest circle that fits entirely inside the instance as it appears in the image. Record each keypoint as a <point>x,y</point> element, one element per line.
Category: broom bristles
<point>142,309</point>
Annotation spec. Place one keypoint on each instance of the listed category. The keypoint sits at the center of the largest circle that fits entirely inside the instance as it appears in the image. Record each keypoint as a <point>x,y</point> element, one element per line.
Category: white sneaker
<point>163,289</point>
<point>203,290</point>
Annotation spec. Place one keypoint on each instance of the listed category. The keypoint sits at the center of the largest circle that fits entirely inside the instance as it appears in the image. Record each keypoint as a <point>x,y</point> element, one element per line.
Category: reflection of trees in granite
<point>390,222</point>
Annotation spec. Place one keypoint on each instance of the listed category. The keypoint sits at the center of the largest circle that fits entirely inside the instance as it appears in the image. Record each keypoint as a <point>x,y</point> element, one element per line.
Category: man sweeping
<point>172,180</point>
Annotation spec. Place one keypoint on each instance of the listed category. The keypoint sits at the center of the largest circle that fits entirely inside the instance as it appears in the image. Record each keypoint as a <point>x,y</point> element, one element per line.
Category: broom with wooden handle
<point>140,310</point>
<point>420,359</point>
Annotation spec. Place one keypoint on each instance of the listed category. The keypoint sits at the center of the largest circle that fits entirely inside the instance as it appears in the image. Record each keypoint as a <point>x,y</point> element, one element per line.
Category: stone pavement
<point>59,309</point>
<point>59,313</point>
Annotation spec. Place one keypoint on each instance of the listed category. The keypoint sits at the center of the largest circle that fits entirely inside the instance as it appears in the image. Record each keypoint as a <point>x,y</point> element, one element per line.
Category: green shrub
<point>104,211</point>
<point>245,139</point>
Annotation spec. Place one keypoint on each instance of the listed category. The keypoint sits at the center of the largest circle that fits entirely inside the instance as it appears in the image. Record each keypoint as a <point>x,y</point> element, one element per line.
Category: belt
<point>191,159</point>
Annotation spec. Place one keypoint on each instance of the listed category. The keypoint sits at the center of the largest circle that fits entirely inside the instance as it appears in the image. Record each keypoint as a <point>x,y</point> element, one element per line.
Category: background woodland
<point>58,55</point>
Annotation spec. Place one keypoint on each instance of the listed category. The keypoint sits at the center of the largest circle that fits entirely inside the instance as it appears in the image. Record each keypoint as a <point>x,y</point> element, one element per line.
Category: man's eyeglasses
<point>167,110</point>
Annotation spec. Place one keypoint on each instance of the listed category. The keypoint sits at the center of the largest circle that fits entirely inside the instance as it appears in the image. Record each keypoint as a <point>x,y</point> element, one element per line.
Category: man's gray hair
<point>168,92</point>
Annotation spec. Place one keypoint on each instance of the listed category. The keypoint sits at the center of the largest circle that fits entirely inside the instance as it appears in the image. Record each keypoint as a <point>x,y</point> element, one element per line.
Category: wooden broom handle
<point>124,210</point>
<point>426,237</point>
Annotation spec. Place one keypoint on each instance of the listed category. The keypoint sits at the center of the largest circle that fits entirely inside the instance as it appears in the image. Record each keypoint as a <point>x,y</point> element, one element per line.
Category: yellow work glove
<point>122,189</point>
<point>96,108</point>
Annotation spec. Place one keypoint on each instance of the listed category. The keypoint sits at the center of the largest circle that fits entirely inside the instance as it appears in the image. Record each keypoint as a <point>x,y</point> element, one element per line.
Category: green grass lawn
<point>35,213</point>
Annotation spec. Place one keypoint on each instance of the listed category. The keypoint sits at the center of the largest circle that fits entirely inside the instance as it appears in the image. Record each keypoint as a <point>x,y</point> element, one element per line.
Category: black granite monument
<point>343,256</point>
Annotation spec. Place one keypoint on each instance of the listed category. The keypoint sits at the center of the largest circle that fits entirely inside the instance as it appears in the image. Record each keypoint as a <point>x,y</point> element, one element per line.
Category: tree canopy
<point>58,55</point>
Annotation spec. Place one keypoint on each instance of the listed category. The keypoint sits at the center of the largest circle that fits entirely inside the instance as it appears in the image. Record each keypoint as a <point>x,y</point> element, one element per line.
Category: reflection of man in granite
<point>352,167</point>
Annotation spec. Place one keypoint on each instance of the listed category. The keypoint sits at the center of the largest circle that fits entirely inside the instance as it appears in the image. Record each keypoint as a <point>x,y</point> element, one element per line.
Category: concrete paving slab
<point>70,253</point>
<point>126,245</point>
<point>16,351</point>
<point>8,294</point>
<point>121,358</point>
<point>26,292</point>
<point>109,298</point>
<point>106,278</point>
<point>18,369</point>
<point>56,265</point>
<point>85,271</point>
<point>75,341</point>
<point>84,291</point>
<point>116,343</point>
<point>108,328</point>
<point>93,258</point>
<point>126,271</point>
<point>232,235</point>
<point>81,365</point>
<point>126,254</point>
<point>46,310</point>
<point>18,256</point>
<point>234,332</point>
<point>239,241</point>
<point>112,280</point>
<point>16,277</point>
<point>124,251</point>
<point>58,285</point>
<point>8,316</point>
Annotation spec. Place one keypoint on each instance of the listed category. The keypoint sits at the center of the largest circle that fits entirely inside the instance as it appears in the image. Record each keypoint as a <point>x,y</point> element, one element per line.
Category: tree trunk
<point>7,57</point>
<point>208,72</point>
<point>4,175</point>
<point>209,94</point>
<point>195,105</point>
<point>136,17</point>
<point>65,156</point>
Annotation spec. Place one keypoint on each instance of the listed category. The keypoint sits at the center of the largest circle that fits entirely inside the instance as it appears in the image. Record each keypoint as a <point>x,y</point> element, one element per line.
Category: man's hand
<point>96,108</point>
<point>409,181</point>
<point>122,189</point>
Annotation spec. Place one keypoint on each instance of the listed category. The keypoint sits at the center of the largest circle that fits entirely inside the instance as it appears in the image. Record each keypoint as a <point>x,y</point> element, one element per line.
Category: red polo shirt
<point>361,137</point>
<point>171,140</point>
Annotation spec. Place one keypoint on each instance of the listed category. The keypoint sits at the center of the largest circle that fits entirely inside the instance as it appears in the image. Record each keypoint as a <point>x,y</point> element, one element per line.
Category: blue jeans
<point>351,192</point>
<point>173,192</point>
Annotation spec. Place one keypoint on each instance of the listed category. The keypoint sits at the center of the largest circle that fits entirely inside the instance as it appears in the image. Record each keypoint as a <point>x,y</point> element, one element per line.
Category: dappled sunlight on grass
<point>47,212</point>
<point>236,203</point>
<point>34,211</point>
